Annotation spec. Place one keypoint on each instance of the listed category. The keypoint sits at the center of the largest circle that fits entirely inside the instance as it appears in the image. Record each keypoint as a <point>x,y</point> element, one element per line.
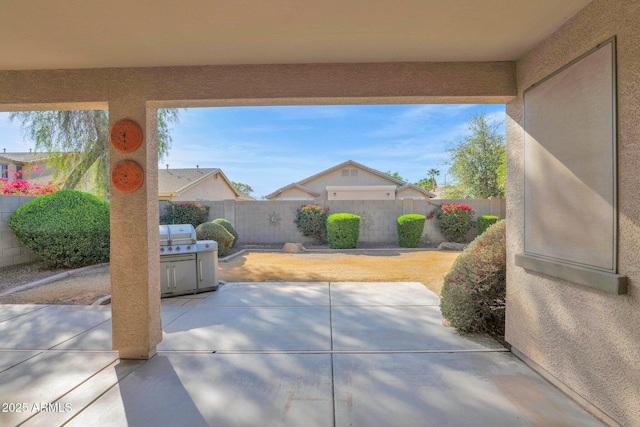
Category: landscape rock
<point>451,246</point>
<point>293,248</point>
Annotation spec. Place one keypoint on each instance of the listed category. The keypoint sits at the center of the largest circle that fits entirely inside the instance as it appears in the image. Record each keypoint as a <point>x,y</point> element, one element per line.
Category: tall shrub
<point>213,231</point>
<point>343,230</point>
<point>410,227</point>
<point>185,213</point>
<point>229,227</point>
<point>311,220</point>
<point>67,229</point>
<point>455,220</point>
<point>484,222</point>
<point>473,293</point>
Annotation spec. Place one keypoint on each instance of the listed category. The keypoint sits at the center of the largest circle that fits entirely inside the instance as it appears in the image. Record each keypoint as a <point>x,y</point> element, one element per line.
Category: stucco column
<point>135,256</point>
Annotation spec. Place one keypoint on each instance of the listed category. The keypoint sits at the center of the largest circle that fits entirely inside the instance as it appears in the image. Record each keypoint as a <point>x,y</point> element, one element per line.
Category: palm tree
<point>432,173</point>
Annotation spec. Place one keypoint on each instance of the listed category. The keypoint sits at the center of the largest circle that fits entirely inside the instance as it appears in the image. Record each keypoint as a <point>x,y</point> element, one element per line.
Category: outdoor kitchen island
<point>187,265</point>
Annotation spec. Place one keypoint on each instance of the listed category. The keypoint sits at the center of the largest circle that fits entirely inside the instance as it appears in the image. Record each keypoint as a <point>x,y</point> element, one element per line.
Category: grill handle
<point>200,269</point>
<point>168,278</point>
<point>175,280</point>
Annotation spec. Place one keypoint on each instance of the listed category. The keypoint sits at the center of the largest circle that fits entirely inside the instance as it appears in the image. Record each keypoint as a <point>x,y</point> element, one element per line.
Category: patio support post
<point>135,256</point>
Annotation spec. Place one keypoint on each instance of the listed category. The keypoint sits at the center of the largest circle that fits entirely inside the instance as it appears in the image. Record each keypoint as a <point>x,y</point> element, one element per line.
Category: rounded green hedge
<point>227,224</point>
<point>473,293</point>
<point>343,230</point>
<point>67,229</point>
<point>485,221</point>
<point>213,231</point>
<point>410,227</point>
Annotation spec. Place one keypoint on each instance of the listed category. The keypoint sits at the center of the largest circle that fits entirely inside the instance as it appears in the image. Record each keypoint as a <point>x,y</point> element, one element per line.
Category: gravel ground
<point>427,267</point>
<point>18,275</point>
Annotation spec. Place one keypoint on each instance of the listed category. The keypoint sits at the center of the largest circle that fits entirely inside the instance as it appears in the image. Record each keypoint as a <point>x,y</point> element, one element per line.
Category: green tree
<point>241,188</point>
<point>395,175</point>
<point>78,142</point>
<point>429,183</point>
<point>477,161</point>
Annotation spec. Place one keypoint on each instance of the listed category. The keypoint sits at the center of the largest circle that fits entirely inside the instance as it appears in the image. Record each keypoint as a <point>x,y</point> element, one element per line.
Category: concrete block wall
<point>272,222</point>
<point>12,252</point>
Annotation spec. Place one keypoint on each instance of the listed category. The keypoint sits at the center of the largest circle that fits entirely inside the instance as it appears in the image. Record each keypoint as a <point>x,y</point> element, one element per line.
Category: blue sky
<point>270,147</point>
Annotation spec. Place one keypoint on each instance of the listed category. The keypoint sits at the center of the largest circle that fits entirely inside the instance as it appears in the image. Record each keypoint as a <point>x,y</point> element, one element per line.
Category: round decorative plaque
<point>127,176</point>
<point>126,136</point>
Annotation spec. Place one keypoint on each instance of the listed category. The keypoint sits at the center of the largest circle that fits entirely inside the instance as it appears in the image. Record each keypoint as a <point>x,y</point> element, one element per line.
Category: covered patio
<point>290,354</point>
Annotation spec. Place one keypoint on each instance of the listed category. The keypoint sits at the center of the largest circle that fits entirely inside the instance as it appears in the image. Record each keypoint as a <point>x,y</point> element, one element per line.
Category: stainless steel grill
<point>187,266</point>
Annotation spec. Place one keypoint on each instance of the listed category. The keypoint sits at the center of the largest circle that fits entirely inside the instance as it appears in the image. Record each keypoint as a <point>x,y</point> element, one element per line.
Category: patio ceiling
<point>52,34</point>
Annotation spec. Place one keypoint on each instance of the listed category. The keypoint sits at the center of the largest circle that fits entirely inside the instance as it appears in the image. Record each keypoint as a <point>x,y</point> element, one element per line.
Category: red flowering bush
<point>312,222</point>
<point>455,220</point>
<point>22,187</point>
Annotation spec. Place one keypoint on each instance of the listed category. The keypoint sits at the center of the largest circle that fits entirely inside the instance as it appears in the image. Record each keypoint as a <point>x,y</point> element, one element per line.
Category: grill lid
<point>164,235</point>
<point>177,234</point>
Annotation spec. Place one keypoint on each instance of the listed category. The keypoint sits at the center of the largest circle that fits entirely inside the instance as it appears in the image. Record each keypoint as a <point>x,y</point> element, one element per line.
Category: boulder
<point>293,248</point>
<point>451,246</point>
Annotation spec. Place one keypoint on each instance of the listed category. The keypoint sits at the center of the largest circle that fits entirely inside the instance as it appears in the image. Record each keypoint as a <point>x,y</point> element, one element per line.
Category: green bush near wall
<point>185,213</point>
<point>67,229</point>
<point>213,231</point>
<point>343,230</point>
<point>410,228</point>
<point>474,291</point>
<point>229,227</point>
<point>485,221</point>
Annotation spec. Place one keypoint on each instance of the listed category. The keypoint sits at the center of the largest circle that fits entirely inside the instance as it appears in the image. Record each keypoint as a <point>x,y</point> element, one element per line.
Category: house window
<point>354,172</point>
<point>4,171</point>
<point>345,172</point>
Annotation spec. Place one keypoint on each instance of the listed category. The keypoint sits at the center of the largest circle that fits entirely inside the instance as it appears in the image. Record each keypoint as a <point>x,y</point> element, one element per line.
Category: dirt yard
<point>427,267</point>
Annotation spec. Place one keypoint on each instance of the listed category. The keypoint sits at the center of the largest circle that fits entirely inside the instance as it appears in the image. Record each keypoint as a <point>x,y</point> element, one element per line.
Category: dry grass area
<point>427,267</point>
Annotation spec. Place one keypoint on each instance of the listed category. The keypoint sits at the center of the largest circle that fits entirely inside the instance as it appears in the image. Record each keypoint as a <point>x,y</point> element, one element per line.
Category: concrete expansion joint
<point>444,351</point>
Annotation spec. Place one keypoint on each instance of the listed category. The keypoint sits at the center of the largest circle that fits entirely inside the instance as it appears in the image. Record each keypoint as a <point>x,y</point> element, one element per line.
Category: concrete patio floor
<point>271,354</point>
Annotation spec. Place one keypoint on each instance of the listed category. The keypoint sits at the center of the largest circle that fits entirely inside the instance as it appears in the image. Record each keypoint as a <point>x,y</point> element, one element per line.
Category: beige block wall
<point>587,339</point>
<point>12,252</point>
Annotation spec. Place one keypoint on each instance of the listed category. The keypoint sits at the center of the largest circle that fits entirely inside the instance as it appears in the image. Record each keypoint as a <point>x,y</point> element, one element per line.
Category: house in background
<point>350,181</point>
<point>196,184</point>
<point>33,166</point>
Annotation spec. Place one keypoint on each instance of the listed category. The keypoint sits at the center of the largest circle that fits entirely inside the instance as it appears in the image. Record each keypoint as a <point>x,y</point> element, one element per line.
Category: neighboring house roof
<point>175,181</point>
<point>356,164</point>
<point>290,186</point>
<point>401,185</point>
<point>417,188</point>
<point>24,157</point>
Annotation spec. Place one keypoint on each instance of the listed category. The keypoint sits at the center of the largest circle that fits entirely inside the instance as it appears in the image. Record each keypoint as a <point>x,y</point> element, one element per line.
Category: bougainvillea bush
<point>455,220</point>
<point>24,187</point>
<point>312,222</point>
